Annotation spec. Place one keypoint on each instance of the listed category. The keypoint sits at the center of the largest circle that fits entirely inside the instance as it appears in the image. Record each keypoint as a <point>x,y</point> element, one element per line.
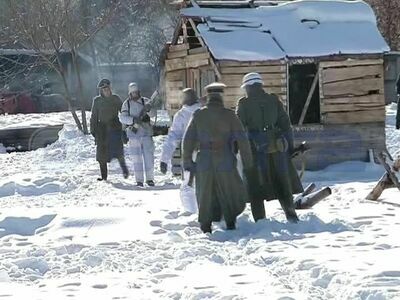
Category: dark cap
<point>104,83</point>
<point>215,87</point>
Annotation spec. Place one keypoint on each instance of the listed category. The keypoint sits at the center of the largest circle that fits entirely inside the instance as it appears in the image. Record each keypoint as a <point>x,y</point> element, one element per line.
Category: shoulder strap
<point>129,107</point>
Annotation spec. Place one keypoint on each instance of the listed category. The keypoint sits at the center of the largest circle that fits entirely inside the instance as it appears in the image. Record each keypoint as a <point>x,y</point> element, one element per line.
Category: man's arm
<point>243,143</point>
<point>175,136</point>
<point>285,126</point>
<point>240,112</point>
<point>190,140</point>
<point>94,118</point>
<point>124,116</point>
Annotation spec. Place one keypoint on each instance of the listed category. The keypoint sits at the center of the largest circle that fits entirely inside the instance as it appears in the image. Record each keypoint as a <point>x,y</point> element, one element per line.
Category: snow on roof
<point>305,28</point>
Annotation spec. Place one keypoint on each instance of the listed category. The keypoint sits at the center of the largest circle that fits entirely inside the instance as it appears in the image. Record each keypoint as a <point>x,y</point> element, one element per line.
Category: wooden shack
<point>324,59</point>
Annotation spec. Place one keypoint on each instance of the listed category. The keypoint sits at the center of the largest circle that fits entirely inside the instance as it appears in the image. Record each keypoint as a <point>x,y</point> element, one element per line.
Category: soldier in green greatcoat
<point>215,134</point>
<point>271,138</point>
<point>107,129</point>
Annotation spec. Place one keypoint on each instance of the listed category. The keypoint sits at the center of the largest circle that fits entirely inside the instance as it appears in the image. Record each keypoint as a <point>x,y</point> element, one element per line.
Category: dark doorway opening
<point>301,81</point>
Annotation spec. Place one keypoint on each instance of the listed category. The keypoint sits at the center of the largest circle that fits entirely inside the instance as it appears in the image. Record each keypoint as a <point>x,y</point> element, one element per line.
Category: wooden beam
<point>353,117</point>
<point>233,63</point>
<point>351,62</point>
<point>179,47</point>
<point>203,44</point>
<point>176,54</point>
<point>356,87</point>
<point>347,73</point>
<point>309,97</point>
<point>261,69</point>
<point>351,107</point>
<point>374,98</point>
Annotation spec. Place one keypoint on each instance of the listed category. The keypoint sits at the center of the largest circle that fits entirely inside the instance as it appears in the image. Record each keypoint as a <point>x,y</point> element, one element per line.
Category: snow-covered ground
<point>63,235</point>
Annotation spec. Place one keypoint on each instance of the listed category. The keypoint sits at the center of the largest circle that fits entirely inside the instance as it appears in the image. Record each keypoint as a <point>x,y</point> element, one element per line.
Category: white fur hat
<point>133,87</point>
<point>250,79</point>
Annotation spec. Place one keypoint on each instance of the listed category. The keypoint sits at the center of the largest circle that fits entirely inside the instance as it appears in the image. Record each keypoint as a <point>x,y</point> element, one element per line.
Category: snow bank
<point>104,240</point>
<point>293,29</point>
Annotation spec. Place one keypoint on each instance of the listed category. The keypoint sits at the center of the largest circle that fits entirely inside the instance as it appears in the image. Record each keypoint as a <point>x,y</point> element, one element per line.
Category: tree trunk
<point>69,101</point>
<point>80,92</point>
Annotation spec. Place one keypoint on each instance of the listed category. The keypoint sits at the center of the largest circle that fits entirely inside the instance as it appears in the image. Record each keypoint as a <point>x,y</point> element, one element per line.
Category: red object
<point>13,103</point>
<point>26,104</point>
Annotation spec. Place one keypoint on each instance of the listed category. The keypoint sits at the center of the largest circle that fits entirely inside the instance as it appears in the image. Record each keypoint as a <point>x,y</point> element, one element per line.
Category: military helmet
<point>104,83</point>
<point>251,78</point>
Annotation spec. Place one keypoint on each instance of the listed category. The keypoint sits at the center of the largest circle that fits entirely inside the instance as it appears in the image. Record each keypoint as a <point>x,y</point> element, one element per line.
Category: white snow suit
<point>141,145</point>
<point>175,136</point>
<point>176,131</point>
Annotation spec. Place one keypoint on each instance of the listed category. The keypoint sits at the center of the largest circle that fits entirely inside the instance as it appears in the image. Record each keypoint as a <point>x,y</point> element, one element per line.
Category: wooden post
<point>388,180</point>
<point>198,35</point>
<point>310,94</point>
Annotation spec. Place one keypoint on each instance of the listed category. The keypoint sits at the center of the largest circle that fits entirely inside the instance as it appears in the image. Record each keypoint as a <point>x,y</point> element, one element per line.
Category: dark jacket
<point>106,128</point>
<point>266,122</point>
<point>215,132</point>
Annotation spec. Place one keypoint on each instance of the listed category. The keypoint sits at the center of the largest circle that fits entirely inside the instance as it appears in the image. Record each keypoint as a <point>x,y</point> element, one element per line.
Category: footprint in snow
<point>100,286</point>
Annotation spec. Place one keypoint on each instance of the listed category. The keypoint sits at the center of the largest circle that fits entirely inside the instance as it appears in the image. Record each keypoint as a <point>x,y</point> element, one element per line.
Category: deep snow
<point>63,235</point>
<point>306,28</point>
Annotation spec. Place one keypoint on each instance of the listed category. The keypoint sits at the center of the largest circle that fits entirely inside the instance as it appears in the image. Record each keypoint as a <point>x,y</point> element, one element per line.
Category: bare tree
<point>51,28</point>
<point>139,32</point>
<point>388,16</point>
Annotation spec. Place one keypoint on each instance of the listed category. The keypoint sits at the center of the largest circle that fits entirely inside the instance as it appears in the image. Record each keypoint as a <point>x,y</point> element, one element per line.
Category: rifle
<point>146,109</point>
<point>300,149</point>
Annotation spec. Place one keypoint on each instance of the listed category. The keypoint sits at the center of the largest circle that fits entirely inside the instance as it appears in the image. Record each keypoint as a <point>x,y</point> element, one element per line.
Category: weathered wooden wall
<point>335,143</point>
<point>274,75</point>
<point>184,68</point>
<point>352,91</point>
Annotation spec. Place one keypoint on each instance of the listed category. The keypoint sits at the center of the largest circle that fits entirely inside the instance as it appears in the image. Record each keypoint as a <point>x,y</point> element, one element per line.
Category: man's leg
<point>284,188</point>
<point>257,209</point>
<point>148,156</point>
<point>135,148</point>
<point>124,168</point>
<point>103,171</point>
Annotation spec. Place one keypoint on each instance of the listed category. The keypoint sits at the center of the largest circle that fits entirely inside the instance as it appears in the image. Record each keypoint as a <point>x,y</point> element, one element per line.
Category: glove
<point>146,118</point>
<point>189,166</point>
<point>163,167</point>
<point>147,107</point>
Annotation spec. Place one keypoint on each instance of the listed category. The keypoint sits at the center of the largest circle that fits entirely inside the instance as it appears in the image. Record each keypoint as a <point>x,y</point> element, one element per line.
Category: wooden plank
<point>199,56</point>
<point>237,91</point>
<point>346,73</point>
<point>174,84</point>
<point>374,98</point>
<point>351,107</point>
<point>176,54</point>
<point>198,50</point>
<point>309,97</point>
<point>353,87</point>
<point>267,82</point>
<point>234,63</point>
<point>175,75</point>
<point>175,64</point>
<point>265,76</point>
<point>179,47</point>
<point>261,69</point>
<point>353,117</point>
<point>197,63</point>
<point>351,62</point>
